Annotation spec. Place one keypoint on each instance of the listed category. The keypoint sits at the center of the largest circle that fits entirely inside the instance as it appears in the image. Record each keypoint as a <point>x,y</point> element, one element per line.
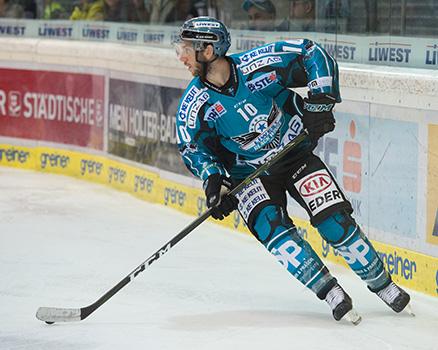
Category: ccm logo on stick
<point>318,191</point>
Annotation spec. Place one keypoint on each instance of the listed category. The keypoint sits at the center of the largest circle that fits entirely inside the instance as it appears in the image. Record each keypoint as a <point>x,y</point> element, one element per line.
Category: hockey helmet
<point>206,30</point>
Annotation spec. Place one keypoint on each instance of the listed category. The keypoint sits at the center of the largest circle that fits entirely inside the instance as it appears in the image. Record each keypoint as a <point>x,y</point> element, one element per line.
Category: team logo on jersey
<point>262,62</point>
<point>257,52</point>
<point>263,132</point>
<point>215,112</point>
<point>262,81</point>
<point>195,107</point>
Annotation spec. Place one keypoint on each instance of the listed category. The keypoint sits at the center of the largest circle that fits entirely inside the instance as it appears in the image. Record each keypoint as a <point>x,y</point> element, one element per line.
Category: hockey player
<point>239,111</point>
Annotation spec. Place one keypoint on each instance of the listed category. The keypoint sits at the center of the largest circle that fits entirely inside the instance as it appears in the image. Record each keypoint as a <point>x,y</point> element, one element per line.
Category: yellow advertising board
<point>411,269</point>
<point>408,268</point>
<point>17,156</point>
<point>432,186</point>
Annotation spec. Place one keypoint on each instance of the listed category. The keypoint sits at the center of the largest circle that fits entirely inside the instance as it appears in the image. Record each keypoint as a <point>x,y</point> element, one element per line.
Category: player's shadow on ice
<point>250,319</point>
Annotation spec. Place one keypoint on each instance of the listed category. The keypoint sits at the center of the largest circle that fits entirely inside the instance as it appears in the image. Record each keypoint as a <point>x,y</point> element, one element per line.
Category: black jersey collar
<point>230,87</point>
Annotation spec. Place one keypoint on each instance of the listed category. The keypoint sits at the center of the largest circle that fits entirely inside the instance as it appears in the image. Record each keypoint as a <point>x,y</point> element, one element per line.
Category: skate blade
<point>353,317</point>
<point>408,309</point>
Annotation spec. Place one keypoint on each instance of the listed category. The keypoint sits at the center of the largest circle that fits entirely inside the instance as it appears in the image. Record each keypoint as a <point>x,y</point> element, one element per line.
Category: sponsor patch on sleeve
<point>262,81</point>
<point>250,67</point>
<point>195,107</point>
<point>320,83</point>
<point>215,111</point>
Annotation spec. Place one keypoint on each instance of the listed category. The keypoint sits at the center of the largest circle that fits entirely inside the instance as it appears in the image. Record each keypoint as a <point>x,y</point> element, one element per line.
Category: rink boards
<point>106,113</point>
<point>411,269</point>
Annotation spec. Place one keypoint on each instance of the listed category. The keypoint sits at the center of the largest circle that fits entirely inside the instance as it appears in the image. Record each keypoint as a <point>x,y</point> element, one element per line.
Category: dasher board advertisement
<point>56,107</point>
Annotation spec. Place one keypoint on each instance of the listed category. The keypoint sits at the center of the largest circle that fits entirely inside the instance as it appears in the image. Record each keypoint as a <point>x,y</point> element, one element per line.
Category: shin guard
<point>274,229</point>
<point>342,233</point>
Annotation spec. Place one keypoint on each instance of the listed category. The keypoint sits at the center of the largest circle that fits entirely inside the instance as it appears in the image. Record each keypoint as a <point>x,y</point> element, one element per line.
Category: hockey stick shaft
<point>50,315</point>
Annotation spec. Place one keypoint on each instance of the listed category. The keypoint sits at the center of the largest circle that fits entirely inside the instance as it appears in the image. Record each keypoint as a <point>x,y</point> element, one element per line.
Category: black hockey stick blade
<point>53,314</point>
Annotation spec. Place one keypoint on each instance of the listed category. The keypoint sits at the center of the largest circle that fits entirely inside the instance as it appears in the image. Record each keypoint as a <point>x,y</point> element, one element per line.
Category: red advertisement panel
<point>51,106</point>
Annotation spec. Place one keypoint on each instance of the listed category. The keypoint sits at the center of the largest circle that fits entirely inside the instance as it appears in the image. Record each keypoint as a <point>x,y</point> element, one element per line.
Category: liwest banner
<point>52,106</point>
<point>142,124</point>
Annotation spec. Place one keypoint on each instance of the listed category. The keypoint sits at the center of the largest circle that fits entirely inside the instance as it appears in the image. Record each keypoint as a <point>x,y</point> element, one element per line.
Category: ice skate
<point>395,297</point>
<point>341,305</point>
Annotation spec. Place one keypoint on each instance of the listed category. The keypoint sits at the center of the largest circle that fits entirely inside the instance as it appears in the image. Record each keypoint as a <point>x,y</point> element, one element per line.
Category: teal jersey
<point>235,128</point>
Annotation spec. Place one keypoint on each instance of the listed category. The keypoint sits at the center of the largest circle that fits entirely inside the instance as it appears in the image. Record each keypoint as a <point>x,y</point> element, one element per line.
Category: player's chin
<point>194,70</point>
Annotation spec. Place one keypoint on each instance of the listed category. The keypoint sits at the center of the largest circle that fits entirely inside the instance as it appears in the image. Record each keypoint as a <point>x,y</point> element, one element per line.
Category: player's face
<point>187,55</point>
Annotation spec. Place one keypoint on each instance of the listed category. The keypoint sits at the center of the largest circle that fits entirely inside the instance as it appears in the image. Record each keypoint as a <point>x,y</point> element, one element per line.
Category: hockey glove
<point>216,186</point>
<point>318,118</point>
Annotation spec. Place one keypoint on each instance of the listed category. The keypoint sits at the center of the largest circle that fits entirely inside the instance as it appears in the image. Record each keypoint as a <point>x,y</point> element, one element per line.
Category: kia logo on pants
<point>315,184</point>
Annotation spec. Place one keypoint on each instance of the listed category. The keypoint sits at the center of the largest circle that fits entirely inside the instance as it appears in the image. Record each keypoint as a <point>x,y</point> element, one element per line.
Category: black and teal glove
<point>216,187</point>
<point>318,118</point>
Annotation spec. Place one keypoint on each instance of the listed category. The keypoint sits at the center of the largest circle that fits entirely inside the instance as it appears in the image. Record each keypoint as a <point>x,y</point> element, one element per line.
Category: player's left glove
<point>216,186</point>
<point>318,118</point>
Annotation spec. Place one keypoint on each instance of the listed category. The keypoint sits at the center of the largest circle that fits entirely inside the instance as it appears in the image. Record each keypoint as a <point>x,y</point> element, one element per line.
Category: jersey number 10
<point>248,109</point>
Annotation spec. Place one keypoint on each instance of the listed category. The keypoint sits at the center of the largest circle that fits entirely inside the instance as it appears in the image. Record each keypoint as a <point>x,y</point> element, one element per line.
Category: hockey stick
<point>51,314</point>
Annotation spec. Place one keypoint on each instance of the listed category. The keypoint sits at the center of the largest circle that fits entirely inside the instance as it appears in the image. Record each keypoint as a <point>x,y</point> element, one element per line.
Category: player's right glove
<point>318,118</point>
<point>216,186</point>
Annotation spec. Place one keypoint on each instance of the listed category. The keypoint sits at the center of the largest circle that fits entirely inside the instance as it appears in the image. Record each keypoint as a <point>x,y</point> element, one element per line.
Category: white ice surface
<point>64,242</point>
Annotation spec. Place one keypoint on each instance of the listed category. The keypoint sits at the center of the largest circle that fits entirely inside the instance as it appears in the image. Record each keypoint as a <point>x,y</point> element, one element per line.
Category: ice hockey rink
<point>65,242</point>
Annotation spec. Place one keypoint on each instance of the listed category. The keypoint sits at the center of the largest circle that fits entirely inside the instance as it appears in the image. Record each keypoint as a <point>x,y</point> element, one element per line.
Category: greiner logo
<point>142,183</point>
<point>172,196</point>
<point>398,265</point>
<point>315,184</point>
<point>116,175</point>
<point>13,155</point>
<point>91,167</point>
<point>53,160</point>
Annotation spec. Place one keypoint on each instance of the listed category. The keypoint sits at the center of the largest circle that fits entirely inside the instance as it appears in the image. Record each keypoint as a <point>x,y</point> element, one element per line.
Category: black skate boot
<point>395,297</point>
<point>341,305</point>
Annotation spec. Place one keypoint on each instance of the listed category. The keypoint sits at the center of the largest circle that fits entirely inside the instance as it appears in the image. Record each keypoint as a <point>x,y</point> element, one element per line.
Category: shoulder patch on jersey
<point>215,112</point>
<point>256,53</point>
<point>192,101</point>
<point>293,46</point>
<point>198,102</point>
<point>262,62</point>
<point>320,83</point>
<point>295,41</point>
<point>186,102</point>
<point>262,81</point>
